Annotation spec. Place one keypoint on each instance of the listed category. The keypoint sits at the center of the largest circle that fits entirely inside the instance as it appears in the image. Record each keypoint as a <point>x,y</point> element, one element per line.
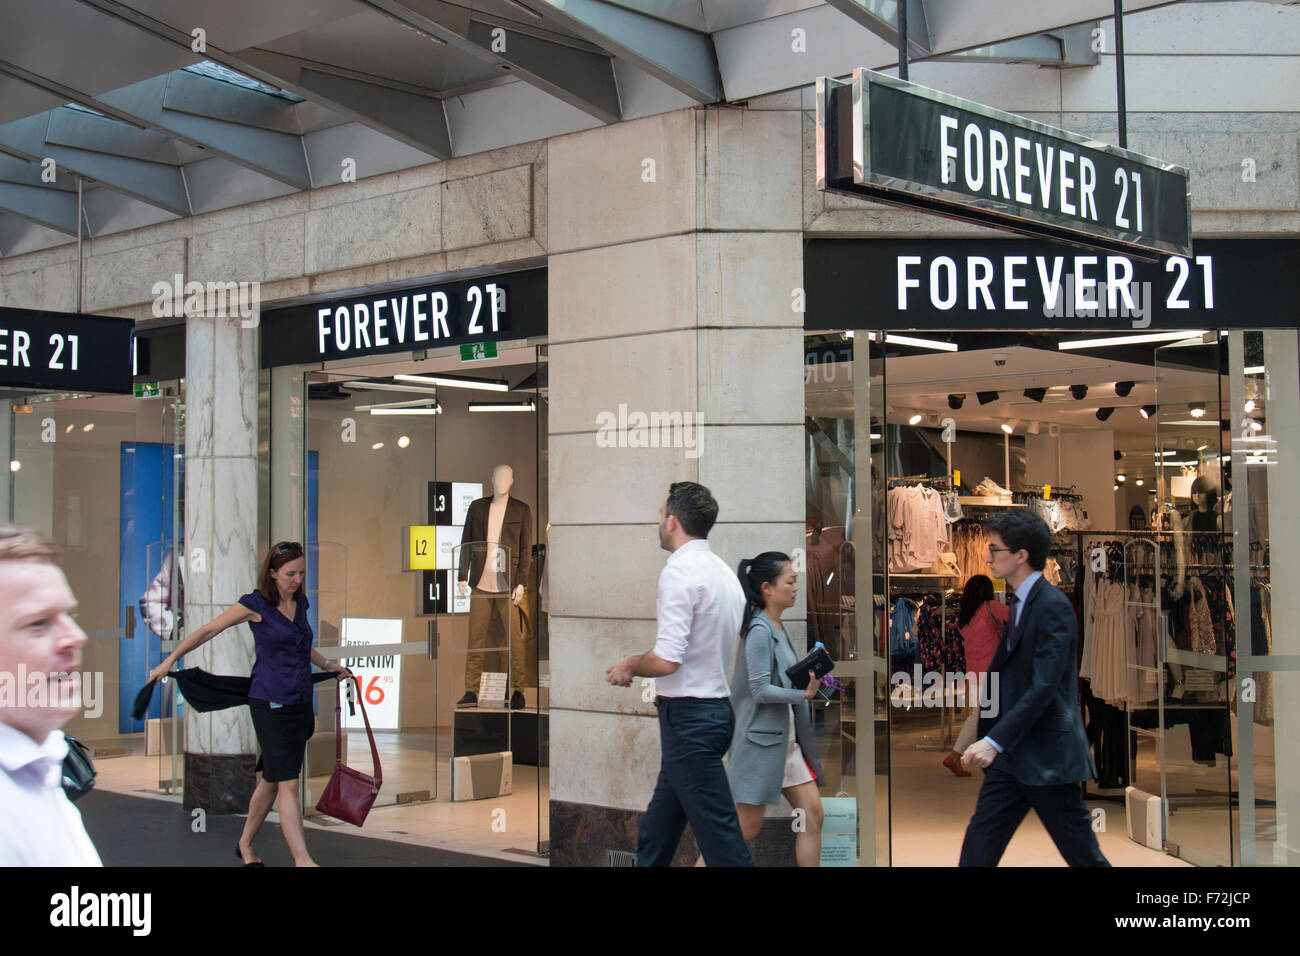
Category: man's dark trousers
<point>694,735</point>
<point>1003,803</point>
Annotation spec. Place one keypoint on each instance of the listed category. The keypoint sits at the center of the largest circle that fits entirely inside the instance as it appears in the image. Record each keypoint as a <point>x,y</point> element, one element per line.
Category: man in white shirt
<point>40,651</point>
<point>699,613</point>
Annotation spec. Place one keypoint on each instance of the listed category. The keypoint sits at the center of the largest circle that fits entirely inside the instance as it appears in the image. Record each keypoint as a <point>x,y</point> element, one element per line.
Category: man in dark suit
<point>1033,748</point>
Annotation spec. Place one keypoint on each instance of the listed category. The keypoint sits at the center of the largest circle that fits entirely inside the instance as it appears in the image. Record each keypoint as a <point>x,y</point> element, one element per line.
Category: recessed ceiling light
<point>88,428</point>
<point>376,446</point>
<point>1139,482</point>
<point>404,441</point>
<point>1121,478</point>
<point>68,430</point>
<point>1196,409</point>
<point>15,465</point>
<point>915,419</point>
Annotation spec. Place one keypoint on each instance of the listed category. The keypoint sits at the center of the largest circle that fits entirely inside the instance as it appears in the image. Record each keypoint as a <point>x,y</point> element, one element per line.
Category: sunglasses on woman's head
<point>289,548</point>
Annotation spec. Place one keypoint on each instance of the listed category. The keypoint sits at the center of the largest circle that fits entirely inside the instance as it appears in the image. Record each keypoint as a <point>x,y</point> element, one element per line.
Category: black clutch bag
<point>78,770</point>
<point>819,662</point>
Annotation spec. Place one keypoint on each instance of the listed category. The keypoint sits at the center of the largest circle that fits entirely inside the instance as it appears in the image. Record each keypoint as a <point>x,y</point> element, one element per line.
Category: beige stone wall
<point>673,295</point>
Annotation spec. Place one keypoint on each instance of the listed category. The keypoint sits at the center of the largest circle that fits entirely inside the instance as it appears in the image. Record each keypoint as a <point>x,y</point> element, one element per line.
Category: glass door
<point>1194,732</point>
<point>99,476</point>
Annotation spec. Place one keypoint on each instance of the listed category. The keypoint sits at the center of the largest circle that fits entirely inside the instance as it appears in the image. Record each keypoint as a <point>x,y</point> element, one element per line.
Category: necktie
<point>1013,602</point>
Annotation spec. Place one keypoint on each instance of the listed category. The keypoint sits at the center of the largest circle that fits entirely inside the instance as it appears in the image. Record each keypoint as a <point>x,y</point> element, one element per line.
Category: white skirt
<point>796,768</point>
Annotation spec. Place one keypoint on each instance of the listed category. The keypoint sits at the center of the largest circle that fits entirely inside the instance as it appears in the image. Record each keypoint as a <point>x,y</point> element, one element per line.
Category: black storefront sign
<point>1022,284</point>
<point>492,309</point>
<point>896,142</point>
<point>64,351</point>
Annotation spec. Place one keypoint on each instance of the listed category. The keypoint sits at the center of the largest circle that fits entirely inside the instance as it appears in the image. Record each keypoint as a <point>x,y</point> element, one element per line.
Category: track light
<point>1197,409</point>
<point>1139,482</point>
<point>1054,430</point>
<point>915,419</point>
<point>1010,426</point>
<point>1146,411</point>
<point>1123,388</point>
<point>1033,428</point>
<point>1037,394</point>
<point>955,401</point>
<point>1121,479</point>
<point>1119,455</point>
<point>1080,392</point>
<point>987,398</point>
<point>1104,413</point>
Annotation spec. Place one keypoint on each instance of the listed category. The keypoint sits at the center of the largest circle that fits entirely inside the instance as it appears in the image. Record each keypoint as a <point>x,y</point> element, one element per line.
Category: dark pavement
<point>140,831</point>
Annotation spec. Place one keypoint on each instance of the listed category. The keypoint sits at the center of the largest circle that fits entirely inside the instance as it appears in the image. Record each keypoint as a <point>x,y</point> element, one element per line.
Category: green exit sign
<point>147,389</point>
<point>479,350</point>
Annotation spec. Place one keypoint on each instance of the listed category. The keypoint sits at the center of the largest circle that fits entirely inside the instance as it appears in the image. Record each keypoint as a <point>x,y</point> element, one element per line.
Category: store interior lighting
<point>1139,482</point>
<point>435,410</point>
<point>1146,411</point>
<point>1196,409</point>
<point>1123,388</point>
<point>528,406</point>
<point>1069,344</point>
<point>364,386</point>
<point>1121,478</point>
<point>1010,426</point>
<point>404,441</point>
<point>1104,413</point>
<point>1080,392</point>
<point>987,398</point>
<point>455,381</point>
<point>915,419</point>
<point>1037,394</point>
<point>1033,428</point>
<point>955,401</point>
<point>415,403</point>
<point>1250,405</point>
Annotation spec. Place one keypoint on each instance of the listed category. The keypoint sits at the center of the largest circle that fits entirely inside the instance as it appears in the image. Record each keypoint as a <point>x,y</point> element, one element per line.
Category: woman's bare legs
<point>808,842</point>
<point>291,823</point>
<point>258,807</point>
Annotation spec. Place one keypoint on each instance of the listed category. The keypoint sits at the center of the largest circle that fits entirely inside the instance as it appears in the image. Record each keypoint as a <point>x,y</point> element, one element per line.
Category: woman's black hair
<point>753,574</point>
<point>977,593</point>
<point>1205,486</point>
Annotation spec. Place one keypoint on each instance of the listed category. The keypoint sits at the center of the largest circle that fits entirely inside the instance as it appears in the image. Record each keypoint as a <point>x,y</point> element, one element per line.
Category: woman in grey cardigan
<point>772,751</point>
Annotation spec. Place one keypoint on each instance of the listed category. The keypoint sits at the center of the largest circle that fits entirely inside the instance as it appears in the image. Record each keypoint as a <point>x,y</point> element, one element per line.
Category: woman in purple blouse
<point>280,698</point>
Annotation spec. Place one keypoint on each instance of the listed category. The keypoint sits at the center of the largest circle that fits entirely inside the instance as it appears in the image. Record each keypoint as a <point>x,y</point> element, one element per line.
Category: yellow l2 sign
<point>421,548</point>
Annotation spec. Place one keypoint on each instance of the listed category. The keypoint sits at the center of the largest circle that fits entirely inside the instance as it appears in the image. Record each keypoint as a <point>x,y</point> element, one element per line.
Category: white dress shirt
<point>39,826</point>
<point>699,612</point>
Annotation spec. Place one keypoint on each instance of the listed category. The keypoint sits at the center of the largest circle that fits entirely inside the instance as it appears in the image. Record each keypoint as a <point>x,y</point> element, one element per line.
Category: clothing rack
<point>1068,494</point>
<point>941,480</point>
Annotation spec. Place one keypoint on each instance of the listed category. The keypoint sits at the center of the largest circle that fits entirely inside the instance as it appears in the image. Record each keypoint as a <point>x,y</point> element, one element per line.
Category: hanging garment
<point>1105,658</point>
<point>1200,622</point>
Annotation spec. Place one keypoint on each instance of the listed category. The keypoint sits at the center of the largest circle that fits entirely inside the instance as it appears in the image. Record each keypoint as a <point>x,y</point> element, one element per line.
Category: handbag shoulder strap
<point>998,626</point>
<point>338,732</point>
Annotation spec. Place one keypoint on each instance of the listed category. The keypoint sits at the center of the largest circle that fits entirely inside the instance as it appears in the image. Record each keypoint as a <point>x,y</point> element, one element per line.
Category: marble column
<point>222,547</point>
<point>288,465</point>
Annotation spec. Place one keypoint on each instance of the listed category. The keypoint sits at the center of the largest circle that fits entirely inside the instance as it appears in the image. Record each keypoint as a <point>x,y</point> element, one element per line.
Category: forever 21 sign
<point>493,309</point>
<point>64,351</point>
<point>904,144</point>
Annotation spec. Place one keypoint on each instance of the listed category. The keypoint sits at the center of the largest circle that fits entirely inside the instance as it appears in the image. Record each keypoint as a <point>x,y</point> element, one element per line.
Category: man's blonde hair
<point>21,543</point>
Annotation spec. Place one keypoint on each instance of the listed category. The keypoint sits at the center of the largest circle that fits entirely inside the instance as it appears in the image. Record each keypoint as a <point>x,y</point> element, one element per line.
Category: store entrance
<point>397,455</point>
<point>102,476</point>
<point>1108,445</point>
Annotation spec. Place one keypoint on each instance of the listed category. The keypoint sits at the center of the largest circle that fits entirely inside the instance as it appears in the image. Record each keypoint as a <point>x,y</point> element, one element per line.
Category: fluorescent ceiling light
<point>414,403</point>
<point>502,407</point>
<point>388,387</point>
<point>1127,340</point>
<point>1202,423</point>
<point>892,339</point>
<point>1254,370</point>
<point>436,410</point>
<point>452,381</point>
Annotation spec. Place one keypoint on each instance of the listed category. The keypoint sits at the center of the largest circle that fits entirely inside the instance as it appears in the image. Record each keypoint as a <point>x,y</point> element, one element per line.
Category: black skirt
<point>283,733</point>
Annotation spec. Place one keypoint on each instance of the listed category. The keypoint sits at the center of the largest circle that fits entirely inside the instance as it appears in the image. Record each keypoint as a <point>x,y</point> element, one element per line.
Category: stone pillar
<point>675,253</point>
<point>222,547</point>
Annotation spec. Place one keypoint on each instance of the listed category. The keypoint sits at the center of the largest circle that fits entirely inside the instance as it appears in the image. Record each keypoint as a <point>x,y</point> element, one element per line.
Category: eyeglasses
<point>993,550</point>
<point>288,548</point>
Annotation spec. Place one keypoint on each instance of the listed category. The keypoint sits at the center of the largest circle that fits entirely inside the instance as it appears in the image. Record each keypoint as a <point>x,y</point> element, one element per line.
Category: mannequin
<point>505,525</point>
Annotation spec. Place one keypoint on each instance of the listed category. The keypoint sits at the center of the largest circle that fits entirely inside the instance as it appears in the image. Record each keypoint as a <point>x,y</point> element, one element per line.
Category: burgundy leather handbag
<point>350,794</point>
